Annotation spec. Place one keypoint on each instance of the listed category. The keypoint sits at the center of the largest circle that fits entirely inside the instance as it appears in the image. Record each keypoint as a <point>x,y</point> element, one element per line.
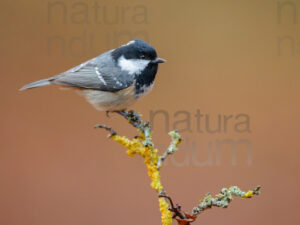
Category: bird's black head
<point>138,58</point>
<point>137,50</point>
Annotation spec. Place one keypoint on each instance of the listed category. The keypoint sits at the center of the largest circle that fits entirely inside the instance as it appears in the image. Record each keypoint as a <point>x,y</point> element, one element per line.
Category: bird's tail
<point>38,83</point>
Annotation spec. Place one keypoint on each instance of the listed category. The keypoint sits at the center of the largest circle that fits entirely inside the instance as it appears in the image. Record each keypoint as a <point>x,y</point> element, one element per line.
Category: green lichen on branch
<point>173,147</point>
<point>223,199</point>
<point>143,145</point>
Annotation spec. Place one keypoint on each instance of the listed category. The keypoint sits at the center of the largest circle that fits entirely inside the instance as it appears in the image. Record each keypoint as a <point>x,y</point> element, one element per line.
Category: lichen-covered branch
<point>223,199</point>
<point>143,145</point>
<point>220,200</point>
<point>173,147</point>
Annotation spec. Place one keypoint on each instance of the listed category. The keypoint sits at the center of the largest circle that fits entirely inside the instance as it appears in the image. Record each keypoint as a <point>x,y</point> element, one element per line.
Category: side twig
<point>173,147</point>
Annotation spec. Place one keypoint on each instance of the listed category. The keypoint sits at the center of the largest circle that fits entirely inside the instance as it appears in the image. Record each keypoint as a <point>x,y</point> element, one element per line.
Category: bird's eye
<point>143,56</point>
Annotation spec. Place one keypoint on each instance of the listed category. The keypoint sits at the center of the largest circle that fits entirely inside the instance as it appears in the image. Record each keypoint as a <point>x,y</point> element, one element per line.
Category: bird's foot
<point>133,118</point>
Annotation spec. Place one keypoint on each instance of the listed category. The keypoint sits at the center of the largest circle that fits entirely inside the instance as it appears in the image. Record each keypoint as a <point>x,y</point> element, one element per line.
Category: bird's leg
<point>107,114</point>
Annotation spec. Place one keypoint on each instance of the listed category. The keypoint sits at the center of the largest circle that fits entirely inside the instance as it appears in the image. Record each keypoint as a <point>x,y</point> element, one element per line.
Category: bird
<point>114,80</point>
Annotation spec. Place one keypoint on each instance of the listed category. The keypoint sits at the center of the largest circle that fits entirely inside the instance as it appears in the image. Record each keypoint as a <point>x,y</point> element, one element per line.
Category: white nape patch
<point>130,42</point>
<point>145,89</point>
<point>133,66</point>
<point>100,76</point>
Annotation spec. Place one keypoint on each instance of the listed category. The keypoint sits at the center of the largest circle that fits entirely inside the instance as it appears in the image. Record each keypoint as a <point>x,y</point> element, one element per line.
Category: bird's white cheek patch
<point>132,66</point>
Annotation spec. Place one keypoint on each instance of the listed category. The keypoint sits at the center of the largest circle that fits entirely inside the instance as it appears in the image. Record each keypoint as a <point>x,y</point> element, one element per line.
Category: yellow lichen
<point>136,146</point>
<point>166,215</point>
<point>249,194</point>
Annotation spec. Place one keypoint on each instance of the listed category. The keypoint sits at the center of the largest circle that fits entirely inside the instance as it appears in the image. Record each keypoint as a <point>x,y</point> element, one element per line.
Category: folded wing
<point>100,73</point>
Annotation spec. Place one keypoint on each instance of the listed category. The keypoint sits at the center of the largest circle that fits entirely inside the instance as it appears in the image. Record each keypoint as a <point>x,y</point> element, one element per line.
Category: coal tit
<point>113,80</point>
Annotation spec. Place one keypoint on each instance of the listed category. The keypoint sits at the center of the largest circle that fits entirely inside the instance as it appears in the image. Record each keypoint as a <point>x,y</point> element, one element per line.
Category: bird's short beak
<point>158,60</point>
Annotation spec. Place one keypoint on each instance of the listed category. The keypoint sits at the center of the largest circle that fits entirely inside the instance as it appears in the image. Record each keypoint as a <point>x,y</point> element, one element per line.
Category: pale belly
<point>110,101</point>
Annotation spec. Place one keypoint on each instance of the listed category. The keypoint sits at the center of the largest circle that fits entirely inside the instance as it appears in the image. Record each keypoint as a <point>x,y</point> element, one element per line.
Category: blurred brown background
<point>224,58</point>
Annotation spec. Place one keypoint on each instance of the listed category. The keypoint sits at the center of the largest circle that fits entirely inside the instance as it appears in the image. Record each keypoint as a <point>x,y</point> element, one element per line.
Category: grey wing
<point>100,73</point>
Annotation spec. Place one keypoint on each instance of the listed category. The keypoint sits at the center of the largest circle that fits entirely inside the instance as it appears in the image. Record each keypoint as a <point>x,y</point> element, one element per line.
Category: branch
<point>143,145</point>
<point>112,132</point>
<point>223,199</point>
<point>173,147</point>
